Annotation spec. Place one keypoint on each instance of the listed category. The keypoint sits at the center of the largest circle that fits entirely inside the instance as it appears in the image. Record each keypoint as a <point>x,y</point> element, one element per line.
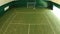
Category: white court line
<point>50,24</point>
<point>26,12</point>
<point>28,24</point>
<point>7,21</point>
<point>19,23</point>
<point>29,29</point>
<point>9,24</point>
<point>31,12</point>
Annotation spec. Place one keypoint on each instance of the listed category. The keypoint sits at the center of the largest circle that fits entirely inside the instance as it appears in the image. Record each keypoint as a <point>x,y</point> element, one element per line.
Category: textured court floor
<point>29,21</point>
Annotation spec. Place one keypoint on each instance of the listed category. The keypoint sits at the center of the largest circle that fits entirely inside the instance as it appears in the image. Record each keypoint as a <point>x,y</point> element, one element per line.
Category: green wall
<point>56,5</point>
<point>3,6</point>
<point>41,3</point>
<point>24,3</point>
<point>20,3</point>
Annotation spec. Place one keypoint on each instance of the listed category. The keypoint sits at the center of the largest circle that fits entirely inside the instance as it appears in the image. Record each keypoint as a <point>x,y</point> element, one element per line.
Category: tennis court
<point>28,21</point>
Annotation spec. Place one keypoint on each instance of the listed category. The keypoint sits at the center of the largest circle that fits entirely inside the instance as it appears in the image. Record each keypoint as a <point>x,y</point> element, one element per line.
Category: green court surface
<point>29,21</point>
